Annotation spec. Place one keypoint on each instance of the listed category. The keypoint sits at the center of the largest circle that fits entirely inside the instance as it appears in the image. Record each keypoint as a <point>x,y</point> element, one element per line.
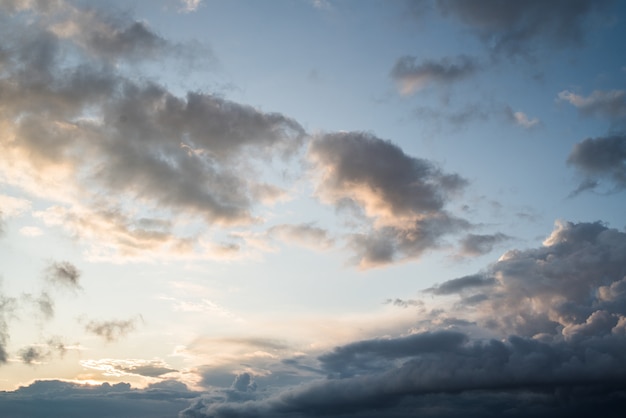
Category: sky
<point>299,208</point>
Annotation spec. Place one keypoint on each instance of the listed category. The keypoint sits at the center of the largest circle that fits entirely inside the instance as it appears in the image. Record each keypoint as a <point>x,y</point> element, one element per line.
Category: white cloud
<point>523,120</point>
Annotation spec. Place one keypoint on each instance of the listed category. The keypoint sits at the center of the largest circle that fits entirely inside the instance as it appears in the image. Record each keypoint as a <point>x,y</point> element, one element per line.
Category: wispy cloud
<point>112,330</point>
<point>412,77</point>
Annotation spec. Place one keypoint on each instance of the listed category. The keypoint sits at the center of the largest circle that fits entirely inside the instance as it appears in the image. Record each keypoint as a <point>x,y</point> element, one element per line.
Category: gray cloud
<point>475,245</point>
<point>488,369</point>
<point>111,330</point>
<point>412,77</point>
<point>370,355</point>
<point>62,273</point>
<point>56,398</point>
<point>459,285</point>
<point>118,138</point>
<point>38,353</point>
<point>555,291</point>
<point>520,28</point>
<point>7,306</point>
<point>404,303</point>
<point>600,159</point>
<point>307,235</point>
<point>403,196</point>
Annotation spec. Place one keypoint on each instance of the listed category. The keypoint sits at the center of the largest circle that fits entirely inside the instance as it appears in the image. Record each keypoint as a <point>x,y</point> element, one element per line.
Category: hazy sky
<point>294,208</point>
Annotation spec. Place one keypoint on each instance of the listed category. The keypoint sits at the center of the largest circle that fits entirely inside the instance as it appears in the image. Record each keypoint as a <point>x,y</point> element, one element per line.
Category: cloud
<point>521,118</point>
<point>607,104</point>
<point>520,28</point>
<point>553,291</point>
<point>109,149</point>
<point>63,273</point>
<point>306,234</point>
<point>475,245</point>
<point>412,77</point>
<point>10,207</point>
<point>155,368</point>
<point>43,304</point>
<point>188,6</point>
<point>373,355</point>
<point>459,285</point>
<point>559,316</point>
<point>597,159</point>
<point>522,374</point>
<point>48,398</point>
<point>7,306</point>
<point>112,330</point>
<point>39,353</point>
<point>403,197</point>
<point>31,231</point>
<point>404,303</point>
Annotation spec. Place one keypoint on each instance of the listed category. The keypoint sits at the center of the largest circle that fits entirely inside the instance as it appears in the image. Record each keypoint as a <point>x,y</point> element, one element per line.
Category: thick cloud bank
<point>559,309</point>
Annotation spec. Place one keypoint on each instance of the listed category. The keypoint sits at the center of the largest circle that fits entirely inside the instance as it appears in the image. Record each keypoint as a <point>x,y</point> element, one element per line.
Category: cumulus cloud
<point>543,292</point>
<point>598,159</point>
<point>112,330</point>
<point>520,28</point>
<point>404,197</point>
<point>108,148</point>
<point>412,77</point>
<point>475,245</point>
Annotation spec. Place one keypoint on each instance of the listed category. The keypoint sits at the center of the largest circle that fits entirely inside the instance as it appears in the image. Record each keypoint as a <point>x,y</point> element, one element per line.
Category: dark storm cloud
<point>475,245</point>
<point>111,330</point>
<point>412,76</point>
<point>363,356</point>
<point>521,27</point>
<point>561,309</point>
<point>458,285</point>
<point>115,136</point>
<point>403,196</point>
<point>599,159</point>
<point>56,398</point>
<point>486,369</point>
<point>63,273</point>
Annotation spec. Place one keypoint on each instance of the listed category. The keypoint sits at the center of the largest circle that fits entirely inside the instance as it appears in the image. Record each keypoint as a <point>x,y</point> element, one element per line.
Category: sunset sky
<point>298,208</point>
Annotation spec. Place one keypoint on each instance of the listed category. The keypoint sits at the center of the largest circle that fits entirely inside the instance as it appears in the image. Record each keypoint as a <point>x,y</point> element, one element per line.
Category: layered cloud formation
<point>134,170</point>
